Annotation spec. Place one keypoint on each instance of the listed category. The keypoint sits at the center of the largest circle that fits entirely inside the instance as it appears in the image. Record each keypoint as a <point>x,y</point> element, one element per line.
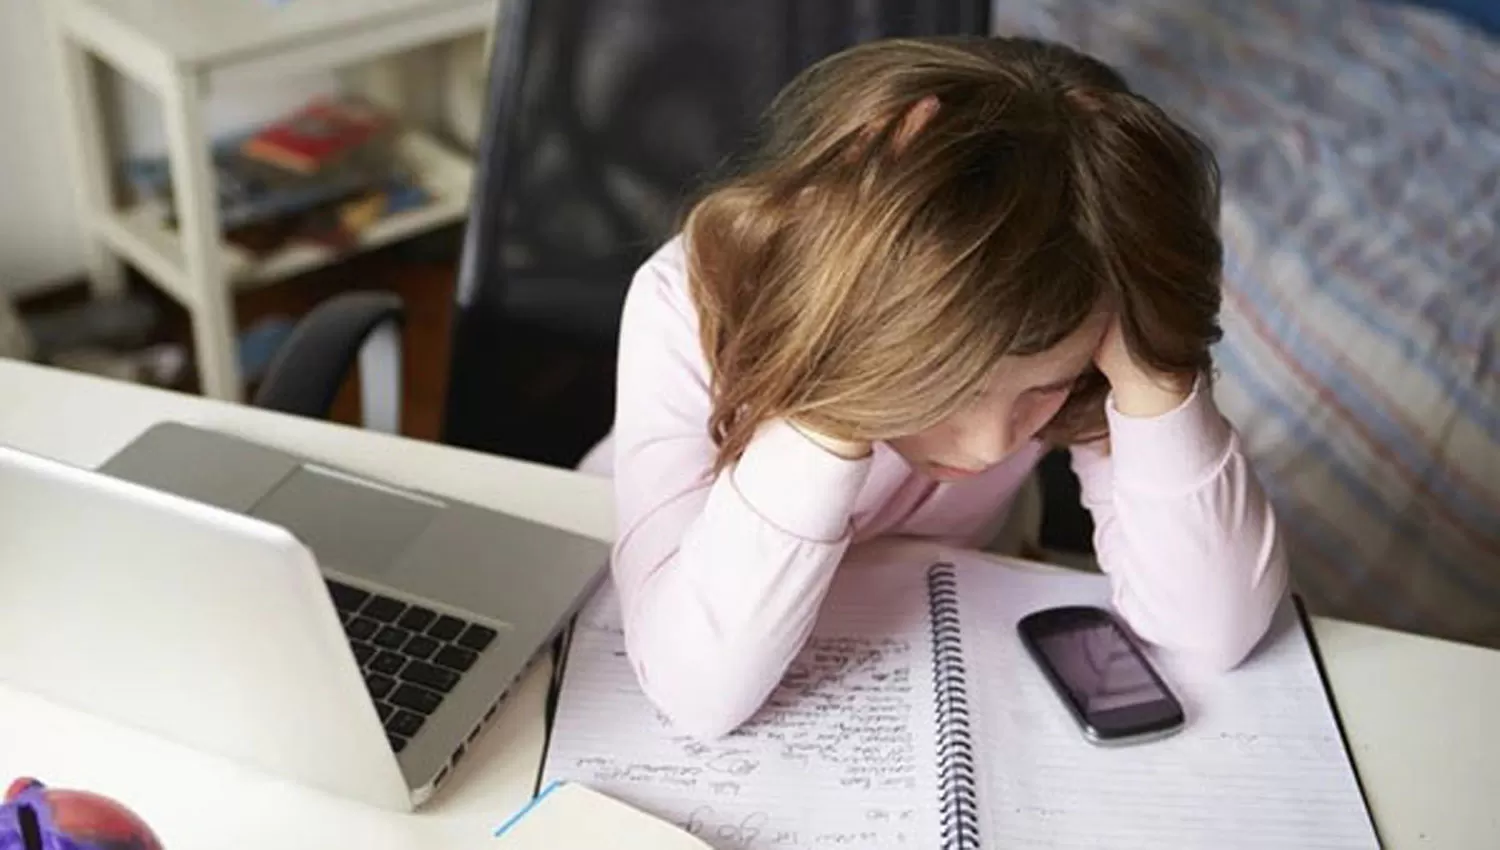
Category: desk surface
<point>1417,711</point>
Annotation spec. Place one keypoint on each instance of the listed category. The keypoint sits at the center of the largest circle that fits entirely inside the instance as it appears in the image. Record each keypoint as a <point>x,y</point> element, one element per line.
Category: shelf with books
<point>142,232</point>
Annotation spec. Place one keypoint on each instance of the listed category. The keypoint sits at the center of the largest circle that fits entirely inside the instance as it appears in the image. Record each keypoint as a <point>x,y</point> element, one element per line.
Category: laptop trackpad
<point>356,527</point>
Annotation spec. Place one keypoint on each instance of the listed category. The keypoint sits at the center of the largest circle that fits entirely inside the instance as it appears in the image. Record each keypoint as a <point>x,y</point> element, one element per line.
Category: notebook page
<point>574,817</point>
<point>1260,763</point>
<point>842,755</point>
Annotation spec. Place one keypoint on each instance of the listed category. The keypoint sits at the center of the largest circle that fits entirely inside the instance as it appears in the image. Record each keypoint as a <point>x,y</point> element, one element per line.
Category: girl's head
<point>931,241</point>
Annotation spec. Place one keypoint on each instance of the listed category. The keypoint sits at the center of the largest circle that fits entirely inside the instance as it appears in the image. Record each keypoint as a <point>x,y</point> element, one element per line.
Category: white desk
<point>1418,711</point>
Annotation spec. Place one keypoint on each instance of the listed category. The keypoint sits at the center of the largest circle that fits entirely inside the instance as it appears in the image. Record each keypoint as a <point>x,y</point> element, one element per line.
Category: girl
<point>948,255</point>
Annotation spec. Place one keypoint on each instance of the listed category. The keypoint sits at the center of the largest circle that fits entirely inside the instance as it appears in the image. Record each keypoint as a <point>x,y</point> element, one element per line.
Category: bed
<point>1360,148</point>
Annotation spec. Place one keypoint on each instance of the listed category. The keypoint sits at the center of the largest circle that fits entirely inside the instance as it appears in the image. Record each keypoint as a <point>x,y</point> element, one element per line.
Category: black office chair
<point>603,117</point>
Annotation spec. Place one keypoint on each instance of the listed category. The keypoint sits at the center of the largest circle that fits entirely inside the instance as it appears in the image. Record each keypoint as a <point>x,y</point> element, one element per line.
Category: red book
<point>318,134</point>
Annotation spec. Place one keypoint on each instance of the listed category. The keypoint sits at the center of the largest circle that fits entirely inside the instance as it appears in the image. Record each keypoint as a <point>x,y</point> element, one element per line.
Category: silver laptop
<point>334,630</point>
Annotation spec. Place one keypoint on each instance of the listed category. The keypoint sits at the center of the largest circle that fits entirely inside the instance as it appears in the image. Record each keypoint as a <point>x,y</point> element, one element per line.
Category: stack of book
<point>324,173</point>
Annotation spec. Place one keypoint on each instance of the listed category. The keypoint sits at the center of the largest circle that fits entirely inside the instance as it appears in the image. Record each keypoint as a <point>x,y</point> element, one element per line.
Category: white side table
<point>178,49</point>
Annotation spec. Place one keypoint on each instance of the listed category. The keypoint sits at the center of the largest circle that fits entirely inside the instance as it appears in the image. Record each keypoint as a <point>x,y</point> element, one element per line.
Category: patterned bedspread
<point>1360,147</point>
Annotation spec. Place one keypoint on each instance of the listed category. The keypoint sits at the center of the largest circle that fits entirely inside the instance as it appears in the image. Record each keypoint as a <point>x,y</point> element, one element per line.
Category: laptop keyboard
<point>411,657</point>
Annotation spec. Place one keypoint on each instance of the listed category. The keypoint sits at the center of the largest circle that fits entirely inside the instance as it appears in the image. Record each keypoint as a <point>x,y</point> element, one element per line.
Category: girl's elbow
<point>1216,638</point>
<point>705,699</point>
<point>1238,624</point>
<point>1230,645</point>
<point>704,720</point>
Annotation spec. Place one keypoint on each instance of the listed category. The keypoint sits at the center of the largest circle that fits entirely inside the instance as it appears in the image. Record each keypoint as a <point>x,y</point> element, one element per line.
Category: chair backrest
<point>602,117</point>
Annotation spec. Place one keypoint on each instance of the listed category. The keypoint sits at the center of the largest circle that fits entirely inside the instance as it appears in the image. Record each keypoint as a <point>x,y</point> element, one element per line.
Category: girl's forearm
<point>720,595</point>
<point>1185,531</point>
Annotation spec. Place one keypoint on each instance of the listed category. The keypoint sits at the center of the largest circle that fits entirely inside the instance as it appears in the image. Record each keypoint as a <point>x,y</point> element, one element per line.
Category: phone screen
<point>1110,685</point>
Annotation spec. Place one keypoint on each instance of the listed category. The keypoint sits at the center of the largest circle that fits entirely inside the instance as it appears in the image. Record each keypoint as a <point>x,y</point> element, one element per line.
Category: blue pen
<point>500,830</point>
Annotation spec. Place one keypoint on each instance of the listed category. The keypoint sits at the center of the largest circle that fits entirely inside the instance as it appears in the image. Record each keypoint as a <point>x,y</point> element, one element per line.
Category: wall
<point>39,237</point>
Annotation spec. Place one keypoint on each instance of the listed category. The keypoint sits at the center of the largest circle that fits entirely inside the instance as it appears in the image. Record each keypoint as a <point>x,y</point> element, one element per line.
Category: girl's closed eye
<point>1063,387</point>
<point>1056,388</point>
<point>1039,405</point>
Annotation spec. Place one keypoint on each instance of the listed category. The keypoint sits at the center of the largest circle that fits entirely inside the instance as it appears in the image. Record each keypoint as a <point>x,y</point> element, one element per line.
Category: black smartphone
<point>1101,675</point>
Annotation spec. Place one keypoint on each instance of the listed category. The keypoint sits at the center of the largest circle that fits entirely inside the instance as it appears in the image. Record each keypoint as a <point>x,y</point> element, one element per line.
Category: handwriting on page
<point>843,709</point>
<point>838,757</point>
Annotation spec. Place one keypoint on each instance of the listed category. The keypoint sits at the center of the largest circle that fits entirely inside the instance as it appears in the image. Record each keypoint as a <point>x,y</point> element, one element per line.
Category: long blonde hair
<point>866,284</point>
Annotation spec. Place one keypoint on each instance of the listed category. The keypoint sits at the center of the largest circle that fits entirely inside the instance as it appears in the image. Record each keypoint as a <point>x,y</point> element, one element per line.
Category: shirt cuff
<point>1170,453</point>
<point>797,485</point>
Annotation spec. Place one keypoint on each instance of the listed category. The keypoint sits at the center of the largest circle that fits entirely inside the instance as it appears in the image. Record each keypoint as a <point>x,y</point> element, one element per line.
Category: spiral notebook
<point>913,719</point>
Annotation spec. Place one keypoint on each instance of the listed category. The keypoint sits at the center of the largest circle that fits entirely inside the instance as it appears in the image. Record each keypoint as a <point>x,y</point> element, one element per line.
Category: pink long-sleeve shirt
<point>720,577</point>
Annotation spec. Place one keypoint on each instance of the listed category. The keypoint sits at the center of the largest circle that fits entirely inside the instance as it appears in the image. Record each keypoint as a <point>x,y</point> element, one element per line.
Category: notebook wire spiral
<point>957,795</point>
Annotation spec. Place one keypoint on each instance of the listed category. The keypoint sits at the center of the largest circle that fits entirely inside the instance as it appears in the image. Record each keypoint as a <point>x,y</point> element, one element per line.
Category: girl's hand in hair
<point>1139,391</point>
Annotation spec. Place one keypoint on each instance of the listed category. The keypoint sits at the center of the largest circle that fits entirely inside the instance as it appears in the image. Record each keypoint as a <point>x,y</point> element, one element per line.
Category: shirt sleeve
<point>720,577</point>
<point>1184,530</point>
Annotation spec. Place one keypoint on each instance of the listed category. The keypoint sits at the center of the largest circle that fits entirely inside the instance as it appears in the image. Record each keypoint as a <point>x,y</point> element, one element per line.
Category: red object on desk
<point>35,816</point>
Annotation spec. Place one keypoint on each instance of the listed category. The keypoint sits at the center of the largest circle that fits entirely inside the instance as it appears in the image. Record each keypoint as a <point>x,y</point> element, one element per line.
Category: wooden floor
<point>422,275</point>
<point>426,288</point>
<point>561,397</point>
